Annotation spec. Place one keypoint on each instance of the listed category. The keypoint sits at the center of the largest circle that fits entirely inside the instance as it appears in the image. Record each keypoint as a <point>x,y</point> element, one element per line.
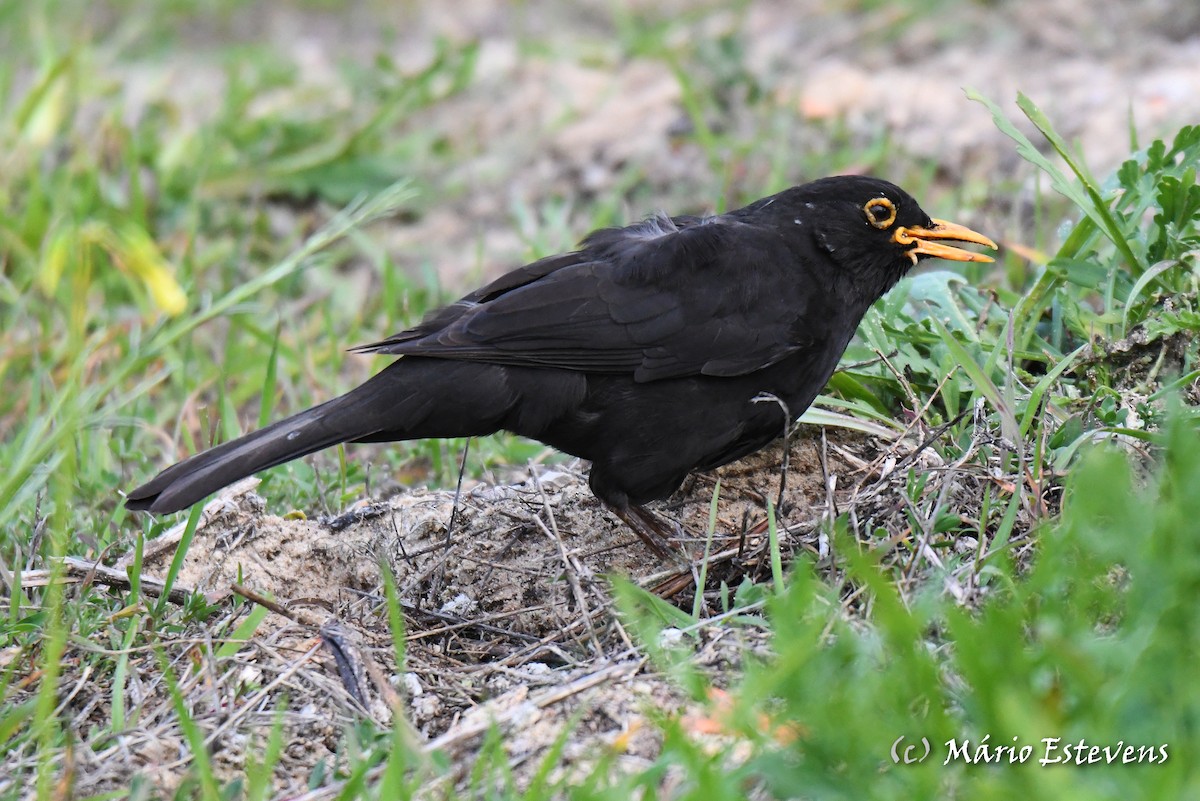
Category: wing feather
<point>661,299</point>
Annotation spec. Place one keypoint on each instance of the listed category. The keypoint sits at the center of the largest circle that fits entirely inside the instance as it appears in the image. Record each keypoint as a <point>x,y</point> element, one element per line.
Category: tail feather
<point>187,482</point>
<point>412,398</point>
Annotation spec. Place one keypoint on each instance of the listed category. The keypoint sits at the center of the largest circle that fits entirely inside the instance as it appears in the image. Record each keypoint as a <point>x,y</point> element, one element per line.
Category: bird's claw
<point>658,533</point>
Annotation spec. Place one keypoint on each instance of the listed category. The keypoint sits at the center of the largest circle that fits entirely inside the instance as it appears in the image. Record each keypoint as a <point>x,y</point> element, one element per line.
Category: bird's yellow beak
<point>942,229</point>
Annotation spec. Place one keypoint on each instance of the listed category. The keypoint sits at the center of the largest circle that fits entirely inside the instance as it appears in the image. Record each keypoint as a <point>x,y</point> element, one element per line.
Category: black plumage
<point>646,351</point>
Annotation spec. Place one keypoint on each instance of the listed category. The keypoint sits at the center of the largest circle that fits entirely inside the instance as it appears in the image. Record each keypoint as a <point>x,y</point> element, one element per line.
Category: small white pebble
<point>670,638</point>
<point>250,675</point>
<point>460,604</point>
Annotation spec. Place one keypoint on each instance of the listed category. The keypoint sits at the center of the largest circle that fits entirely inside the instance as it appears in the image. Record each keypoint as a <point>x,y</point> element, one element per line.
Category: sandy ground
<point>506,595</point>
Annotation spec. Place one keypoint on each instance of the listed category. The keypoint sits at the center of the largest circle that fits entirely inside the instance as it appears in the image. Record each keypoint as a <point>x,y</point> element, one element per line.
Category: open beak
<point>942,229</point>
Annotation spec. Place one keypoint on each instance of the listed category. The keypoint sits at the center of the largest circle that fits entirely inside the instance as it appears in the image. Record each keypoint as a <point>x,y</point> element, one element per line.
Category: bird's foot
<point>655,531</point>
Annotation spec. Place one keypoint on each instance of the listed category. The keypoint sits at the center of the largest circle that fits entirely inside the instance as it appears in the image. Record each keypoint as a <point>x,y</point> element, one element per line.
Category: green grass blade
<point>259,770</point>
<point>243,632</point>
<point>698,600</point>
<point>209,789</point>
<point>266,406</point>
<point>773,545</point>
<point>1143,281</point>
<point>983,384</point>
<point>1098,209</point>
<point>185,542</point>
<point>1043,386</point>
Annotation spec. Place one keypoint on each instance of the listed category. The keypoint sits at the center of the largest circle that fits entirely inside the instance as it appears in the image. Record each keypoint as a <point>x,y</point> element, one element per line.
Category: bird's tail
<point>182,484</point>
<point>398,403</point>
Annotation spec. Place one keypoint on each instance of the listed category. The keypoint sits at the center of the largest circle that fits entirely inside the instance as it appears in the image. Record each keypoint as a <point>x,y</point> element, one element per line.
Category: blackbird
<point>648,351</point>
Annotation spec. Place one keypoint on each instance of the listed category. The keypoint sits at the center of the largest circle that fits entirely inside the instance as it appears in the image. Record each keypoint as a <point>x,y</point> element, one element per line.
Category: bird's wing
<point>661,299</point>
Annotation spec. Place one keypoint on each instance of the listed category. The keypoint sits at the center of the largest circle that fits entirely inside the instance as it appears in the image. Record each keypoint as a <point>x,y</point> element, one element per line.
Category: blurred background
<point>508,113</point>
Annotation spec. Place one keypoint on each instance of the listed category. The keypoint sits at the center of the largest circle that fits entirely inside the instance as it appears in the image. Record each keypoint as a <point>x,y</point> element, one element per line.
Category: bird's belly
<point>646,437</point>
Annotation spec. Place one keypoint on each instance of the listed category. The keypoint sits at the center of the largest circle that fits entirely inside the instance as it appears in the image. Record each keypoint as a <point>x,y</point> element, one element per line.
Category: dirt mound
<point>508,612</point>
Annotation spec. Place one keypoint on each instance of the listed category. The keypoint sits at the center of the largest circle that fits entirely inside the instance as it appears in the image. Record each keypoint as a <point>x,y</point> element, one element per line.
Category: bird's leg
<point>653,530</point>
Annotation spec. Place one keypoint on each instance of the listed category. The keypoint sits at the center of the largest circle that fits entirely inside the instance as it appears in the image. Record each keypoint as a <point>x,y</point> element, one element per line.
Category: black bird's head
<point>871,230</point>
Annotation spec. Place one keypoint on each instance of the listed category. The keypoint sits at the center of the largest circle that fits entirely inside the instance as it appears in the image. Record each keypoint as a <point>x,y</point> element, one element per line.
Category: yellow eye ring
<point>880,212</point>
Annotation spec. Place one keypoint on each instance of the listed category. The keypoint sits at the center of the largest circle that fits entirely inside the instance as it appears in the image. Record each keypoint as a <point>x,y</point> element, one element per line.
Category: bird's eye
<point>881,212</point>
